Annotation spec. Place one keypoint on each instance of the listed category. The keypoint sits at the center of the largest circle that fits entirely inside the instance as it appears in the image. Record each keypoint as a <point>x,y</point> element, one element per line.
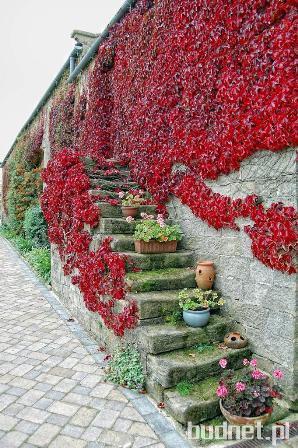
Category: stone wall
<point>261,300</point>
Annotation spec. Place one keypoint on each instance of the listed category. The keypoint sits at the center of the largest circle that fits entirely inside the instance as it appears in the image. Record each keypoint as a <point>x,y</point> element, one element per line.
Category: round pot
<point>239,420</point>
<point>196,318</point>
<point>235,340</point>
<point>205,274</point>
<point>129,211</point>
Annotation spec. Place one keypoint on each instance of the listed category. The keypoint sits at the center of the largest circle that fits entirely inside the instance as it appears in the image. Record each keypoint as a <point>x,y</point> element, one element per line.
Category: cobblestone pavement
<point>52,392</point>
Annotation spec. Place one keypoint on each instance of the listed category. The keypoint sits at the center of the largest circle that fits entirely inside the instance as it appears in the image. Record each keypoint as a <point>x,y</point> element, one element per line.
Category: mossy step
<point>117,225</point>
<point>192,364</point>
<point>156,303</point>
<point>103,193</point>
<point>113,184</point>
<point>159,280</point>
<point>147,262</point>
<point>114,211</point>
<point>120,242</point>
<point>201,403</point>
<point>164,338</point>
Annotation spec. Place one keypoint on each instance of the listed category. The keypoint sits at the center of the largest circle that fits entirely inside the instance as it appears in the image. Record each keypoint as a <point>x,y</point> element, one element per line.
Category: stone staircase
<point>171,353</point>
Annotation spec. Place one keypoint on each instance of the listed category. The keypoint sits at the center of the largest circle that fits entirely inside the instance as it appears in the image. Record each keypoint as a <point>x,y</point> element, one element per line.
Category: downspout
<point>125,8</point>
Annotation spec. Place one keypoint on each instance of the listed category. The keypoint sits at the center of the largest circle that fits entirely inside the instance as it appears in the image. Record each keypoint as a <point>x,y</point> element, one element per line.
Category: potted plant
<point>246,398</point>
<point>196,305</point>
<point>154,236</point>
<point>130,202</point>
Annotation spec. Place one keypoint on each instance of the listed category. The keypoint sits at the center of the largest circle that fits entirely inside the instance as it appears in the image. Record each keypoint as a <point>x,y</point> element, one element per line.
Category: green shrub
<point>40,260</point>
<point>125,368</point>
<point>184,388</point>
<point>24,246</point>
<point>35,227</point>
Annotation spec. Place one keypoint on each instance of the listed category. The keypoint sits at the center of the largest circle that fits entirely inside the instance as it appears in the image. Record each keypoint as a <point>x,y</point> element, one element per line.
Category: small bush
<point>125,368</point>
<point>40,260</point>
<point>35,227</point>
<point>24,246</point>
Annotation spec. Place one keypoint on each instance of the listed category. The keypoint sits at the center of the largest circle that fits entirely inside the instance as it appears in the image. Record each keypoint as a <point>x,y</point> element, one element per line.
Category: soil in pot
<point>155,247</point>
<point>130,211</point>
<point>196,319</point>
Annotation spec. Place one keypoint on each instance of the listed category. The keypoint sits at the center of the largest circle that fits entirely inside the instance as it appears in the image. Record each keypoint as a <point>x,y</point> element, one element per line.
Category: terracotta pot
<point>235,340</point>
<point>129,211</point>
<point>239,420</point>
<point>205,274</point>
<point>155,247</point>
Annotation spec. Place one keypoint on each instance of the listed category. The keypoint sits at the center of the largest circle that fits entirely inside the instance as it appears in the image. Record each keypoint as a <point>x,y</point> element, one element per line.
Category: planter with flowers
<point>246,397</point>
<point>196,305</point>
<point>154,236</point>
<point>131,202</point>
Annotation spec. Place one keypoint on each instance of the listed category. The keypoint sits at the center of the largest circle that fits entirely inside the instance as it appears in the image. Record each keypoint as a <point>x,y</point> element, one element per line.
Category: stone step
<point>164,338</point>
<point>193,364</point>
<point>120,242</point>
<point>156,304</point>
<point>201,404</point>
<point>174,278</point>
<point>103,193</point>
<point>149,262</point>
<point>114,211</point>
<point>116,225</point>
<point>113,185</point>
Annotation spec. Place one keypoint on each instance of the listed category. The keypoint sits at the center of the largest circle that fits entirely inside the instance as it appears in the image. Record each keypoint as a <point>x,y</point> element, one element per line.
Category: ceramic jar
<point>205,275</point>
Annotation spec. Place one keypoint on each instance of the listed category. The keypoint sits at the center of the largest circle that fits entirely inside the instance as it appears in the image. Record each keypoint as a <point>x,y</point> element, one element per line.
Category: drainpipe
<point>73,57</point>
<point>125,8</point>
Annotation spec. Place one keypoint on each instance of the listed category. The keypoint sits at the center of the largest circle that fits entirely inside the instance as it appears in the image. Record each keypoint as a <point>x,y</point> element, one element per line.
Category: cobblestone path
<point>52,392</point>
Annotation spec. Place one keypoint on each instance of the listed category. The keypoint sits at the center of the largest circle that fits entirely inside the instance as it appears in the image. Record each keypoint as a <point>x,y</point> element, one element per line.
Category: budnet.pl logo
<point>234,432</point>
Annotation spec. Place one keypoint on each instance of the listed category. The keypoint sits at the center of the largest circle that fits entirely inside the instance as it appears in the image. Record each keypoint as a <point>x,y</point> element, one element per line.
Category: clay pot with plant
<point>154,236</point>
<point>247,396</point>
<point>131,202</point>
<point>197,305</point>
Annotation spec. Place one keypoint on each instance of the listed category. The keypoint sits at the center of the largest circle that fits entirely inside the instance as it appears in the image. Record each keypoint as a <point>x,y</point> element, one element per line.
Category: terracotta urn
<point>129,211</point>
<point>205,274</point>
<point>235,340</point>
<point>239,420</point>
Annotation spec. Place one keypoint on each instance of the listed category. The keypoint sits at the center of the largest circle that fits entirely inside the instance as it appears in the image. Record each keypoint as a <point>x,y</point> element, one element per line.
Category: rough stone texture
<point>261,300</point>
<point>52,390</point>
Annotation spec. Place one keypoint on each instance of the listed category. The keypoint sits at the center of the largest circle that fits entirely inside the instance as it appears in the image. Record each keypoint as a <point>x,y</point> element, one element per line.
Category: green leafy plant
<point>202,348</point>
<point>35,227</point>
<point>156,229</point>
<point>125,368</point>
<point>198,299</point>
<point>173,318</point>
<point>184,388</point>
<point>133,198</point>
<point>40,260</point>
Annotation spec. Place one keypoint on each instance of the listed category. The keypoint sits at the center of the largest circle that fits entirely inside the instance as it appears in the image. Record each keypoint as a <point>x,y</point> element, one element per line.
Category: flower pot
<point>235,340</point>
<point>205,275</point>
<point>196,318</point>
<point>239,420</point>
<point>129,211</point>
<point>155,247</point>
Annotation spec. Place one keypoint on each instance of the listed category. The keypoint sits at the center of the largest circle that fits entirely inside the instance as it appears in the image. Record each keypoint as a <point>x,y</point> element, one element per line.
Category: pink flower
<point>222,391</point>
<point>240,387</point>
<point>245,362</point>
<point>253,363</point>
<point>129,219</point>
<point>278,374</point>
<point>256,394</point>
<point>223,363</point>
<point>121,194</point>
<point>257,374</point>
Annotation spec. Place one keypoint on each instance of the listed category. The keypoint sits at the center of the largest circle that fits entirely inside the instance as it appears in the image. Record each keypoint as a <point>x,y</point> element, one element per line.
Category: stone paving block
<point>6,400</point>
<point>27,427</point>
<point>43,403</point>
<point>131,414</point>
<point>142,429</point>
<point>79,399</point>
<point>13,439</point>
<point>59,407</point>
<point>122,425</point>
<point>102,390</point>
<point>106,418</point>
<point>66,441</point>
<point>30,397</point>
<point>44,435</point>
<point>33,415</point>
<point>13,409</point>
<point>58,419</point>
<point>7,422</point>
<point>116,438</point>
<point>72,431</point>
<point>83,417</point>
<point>91,434</point>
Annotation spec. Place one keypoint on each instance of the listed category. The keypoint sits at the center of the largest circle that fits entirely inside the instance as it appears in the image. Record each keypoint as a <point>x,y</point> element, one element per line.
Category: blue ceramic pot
<point>196,318</point>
